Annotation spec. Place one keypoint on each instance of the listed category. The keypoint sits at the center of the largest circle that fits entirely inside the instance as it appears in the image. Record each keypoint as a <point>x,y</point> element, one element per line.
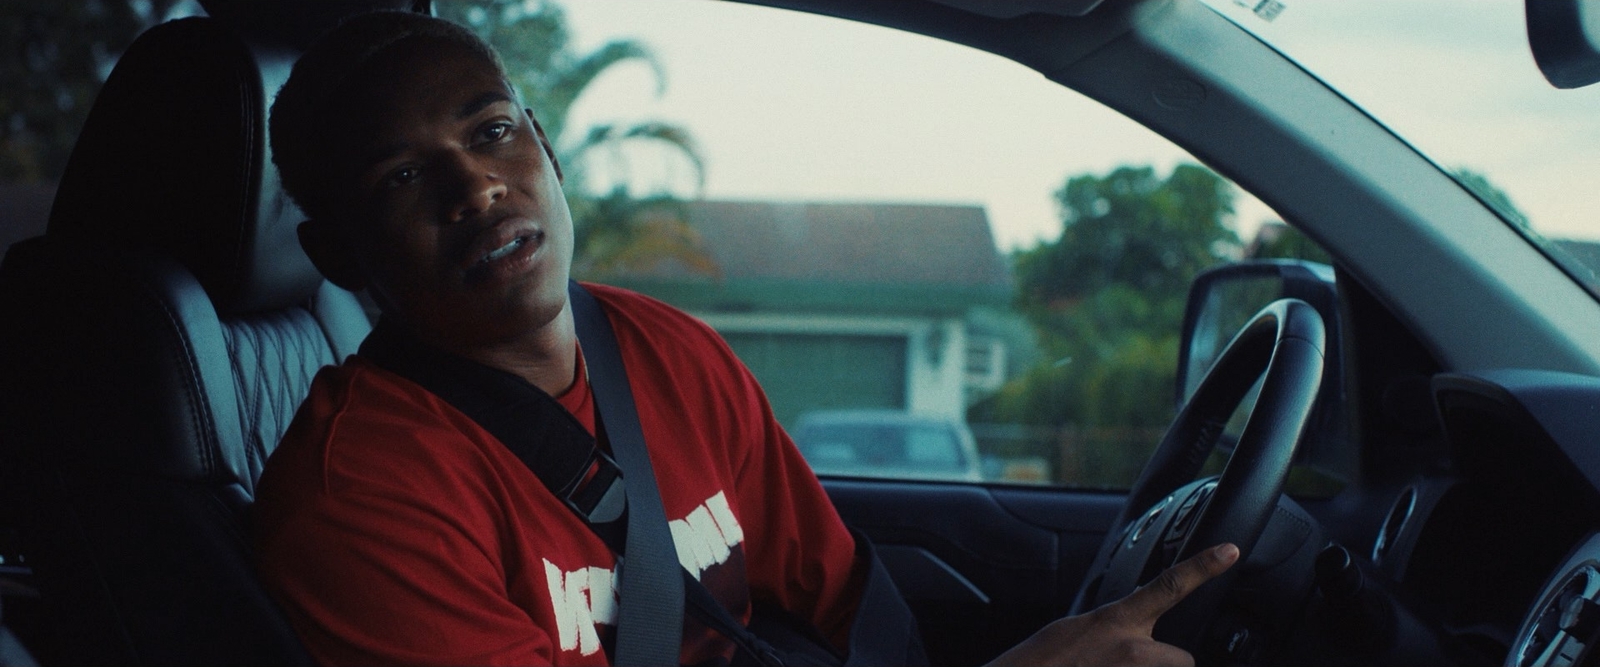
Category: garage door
<point>805,372</point>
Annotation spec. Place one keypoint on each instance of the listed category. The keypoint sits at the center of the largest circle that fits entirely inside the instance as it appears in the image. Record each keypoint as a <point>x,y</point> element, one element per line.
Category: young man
<point>394,529</point>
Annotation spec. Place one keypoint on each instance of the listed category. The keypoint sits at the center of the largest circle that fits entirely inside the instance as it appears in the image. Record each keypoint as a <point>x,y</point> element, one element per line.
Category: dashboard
<point>1498,543</point>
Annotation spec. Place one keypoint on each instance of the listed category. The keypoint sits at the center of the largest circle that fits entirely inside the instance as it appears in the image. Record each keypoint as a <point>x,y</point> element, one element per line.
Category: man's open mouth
<point>504,250</point>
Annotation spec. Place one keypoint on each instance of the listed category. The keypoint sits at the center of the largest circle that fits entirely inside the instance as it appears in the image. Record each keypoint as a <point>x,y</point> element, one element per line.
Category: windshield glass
<point>1458,81</point>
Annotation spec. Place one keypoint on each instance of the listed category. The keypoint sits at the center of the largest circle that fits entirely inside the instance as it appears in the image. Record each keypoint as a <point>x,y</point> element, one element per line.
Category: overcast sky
<point>789,106</point>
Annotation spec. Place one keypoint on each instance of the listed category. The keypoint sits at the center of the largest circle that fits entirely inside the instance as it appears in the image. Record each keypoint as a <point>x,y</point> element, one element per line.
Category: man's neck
<point>547,356</point>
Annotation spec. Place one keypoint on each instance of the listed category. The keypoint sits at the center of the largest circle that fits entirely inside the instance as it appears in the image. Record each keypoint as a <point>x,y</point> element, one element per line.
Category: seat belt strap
<point>650,618</point>
<point>564,457</point>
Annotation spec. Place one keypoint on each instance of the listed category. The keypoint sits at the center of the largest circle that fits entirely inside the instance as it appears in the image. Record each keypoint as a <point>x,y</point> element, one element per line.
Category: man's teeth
<point>506,249</point>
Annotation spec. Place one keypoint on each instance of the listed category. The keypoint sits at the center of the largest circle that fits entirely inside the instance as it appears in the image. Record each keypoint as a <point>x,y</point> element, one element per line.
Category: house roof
<point>780,255</point>
<point>853,243</point>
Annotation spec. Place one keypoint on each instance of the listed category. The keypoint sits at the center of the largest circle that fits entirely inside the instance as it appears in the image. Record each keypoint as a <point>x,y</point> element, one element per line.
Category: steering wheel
<point>1169,516</point>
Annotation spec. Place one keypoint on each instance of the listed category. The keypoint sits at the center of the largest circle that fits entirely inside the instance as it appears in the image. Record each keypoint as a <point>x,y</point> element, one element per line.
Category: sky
<point>793,107</point>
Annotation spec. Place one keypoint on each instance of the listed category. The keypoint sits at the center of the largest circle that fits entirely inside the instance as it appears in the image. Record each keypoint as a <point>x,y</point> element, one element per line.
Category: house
<point>833,305</point>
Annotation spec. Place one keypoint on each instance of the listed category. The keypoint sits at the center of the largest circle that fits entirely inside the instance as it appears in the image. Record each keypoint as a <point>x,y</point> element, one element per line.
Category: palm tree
<point>615,231</point>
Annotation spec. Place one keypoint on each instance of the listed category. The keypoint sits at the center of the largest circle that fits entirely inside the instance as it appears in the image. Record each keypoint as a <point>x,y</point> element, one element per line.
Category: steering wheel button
<point>1183,520</point>
<point>1149,520</point>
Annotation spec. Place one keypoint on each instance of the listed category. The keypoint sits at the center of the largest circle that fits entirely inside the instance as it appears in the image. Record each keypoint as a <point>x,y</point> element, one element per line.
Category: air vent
<point>1565,624</point>
<point>1392,526</point>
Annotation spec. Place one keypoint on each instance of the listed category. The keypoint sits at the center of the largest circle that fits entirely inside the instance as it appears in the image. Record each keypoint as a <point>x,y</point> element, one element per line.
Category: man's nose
<point>478,186</point>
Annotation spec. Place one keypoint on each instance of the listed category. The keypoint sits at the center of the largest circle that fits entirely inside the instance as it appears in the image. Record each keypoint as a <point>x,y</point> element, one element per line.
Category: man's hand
<point>1119,633</point>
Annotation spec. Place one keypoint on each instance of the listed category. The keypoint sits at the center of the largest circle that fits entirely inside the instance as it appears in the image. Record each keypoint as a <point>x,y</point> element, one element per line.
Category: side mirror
<point>1222,299</point>
<point>1565,38</point>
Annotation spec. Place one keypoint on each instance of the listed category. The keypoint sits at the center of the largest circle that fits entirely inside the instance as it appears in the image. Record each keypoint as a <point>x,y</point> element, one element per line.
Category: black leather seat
<point>155,343</point>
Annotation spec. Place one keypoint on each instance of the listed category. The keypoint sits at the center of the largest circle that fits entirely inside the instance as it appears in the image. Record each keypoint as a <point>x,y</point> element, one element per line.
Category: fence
<point>1074,456</point>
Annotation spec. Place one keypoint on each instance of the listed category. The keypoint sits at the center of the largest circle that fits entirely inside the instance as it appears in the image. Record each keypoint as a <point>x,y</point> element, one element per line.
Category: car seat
<point>155,343</point>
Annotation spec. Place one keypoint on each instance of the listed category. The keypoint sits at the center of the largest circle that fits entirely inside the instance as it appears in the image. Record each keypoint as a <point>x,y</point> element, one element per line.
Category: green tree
<point>615,230</point>
<point>1276,240</point>
<point>1106,299</point>
<point>624,234</point>
<point>1130,228</point>
<point>1492,195</point>
<point>56,56</point>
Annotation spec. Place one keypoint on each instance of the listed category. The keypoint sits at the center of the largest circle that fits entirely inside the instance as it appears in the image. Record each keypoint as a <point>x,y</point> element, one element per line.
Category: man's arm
<point>381,527</point>
<point>1119,633</point>
<point>803,558</point>
<point>373,579</point>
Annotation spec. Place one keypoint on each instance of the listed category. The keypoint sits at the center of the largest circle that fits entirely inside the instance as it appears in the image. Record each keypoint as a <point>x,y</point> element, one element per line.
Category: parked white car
<point>888,443</point>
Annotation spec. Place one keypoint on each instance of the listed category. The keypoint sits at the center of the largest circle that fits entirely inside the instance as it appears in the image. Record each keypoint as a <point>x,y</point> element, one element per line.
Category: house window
<point>986,364</point>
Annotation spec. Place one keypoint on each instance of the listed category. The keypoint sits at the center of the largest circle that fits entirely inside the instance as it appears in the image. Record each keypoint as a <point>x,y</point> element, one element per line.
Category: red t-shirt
<point>393,529</point>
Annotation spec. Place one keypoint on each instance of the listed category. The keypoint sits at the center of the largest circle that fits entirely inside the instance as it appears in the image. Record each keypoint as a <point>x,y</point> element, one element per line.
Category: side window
<point>939,264</point>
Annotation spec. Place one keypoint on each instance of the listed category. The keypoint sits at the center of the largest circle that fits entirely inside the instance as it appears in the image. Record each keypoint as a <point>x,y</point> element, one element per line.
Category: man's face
<point>452,211</point>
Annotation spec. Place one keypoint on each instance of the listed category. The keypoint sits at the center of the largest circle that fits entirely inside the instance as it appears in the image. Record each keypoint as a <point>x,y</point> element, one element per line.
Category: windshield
<point>1458,81</point>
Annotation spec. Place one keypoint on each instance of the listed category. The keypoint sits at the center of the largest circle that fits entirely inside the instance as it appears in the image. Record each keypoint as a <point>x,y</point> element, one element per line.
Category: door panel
<point>981,567</point>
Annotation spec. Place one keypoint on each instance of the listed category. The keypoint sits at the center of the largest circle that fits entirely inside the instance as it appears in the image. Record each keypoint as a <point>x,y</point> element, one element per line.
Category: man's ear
<point>331,252</point>
<point>544,142</point>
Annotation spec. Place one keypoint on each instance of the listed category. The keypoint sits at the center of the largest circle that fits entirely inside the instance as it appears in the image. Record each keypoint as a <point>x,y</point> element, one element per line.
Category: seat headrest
<point>174,157</point>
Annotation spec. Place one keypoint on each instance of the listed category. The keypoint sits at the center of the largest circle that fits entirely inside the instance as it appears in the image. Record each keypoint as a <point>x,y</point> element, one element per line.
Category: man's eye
<point>402,176</point>
<point>495,132</point>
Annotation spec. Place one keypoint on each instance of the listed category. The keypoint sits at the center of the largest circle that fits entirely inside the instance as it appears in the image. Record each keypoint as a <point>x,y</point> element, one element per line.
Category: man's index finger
<point>1164,592</point>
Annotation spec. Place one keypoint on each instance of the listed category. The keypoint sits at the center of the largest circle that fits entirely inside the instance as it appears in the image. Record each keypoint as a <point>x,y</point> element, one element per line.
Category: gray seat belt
<point>650,618</point>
